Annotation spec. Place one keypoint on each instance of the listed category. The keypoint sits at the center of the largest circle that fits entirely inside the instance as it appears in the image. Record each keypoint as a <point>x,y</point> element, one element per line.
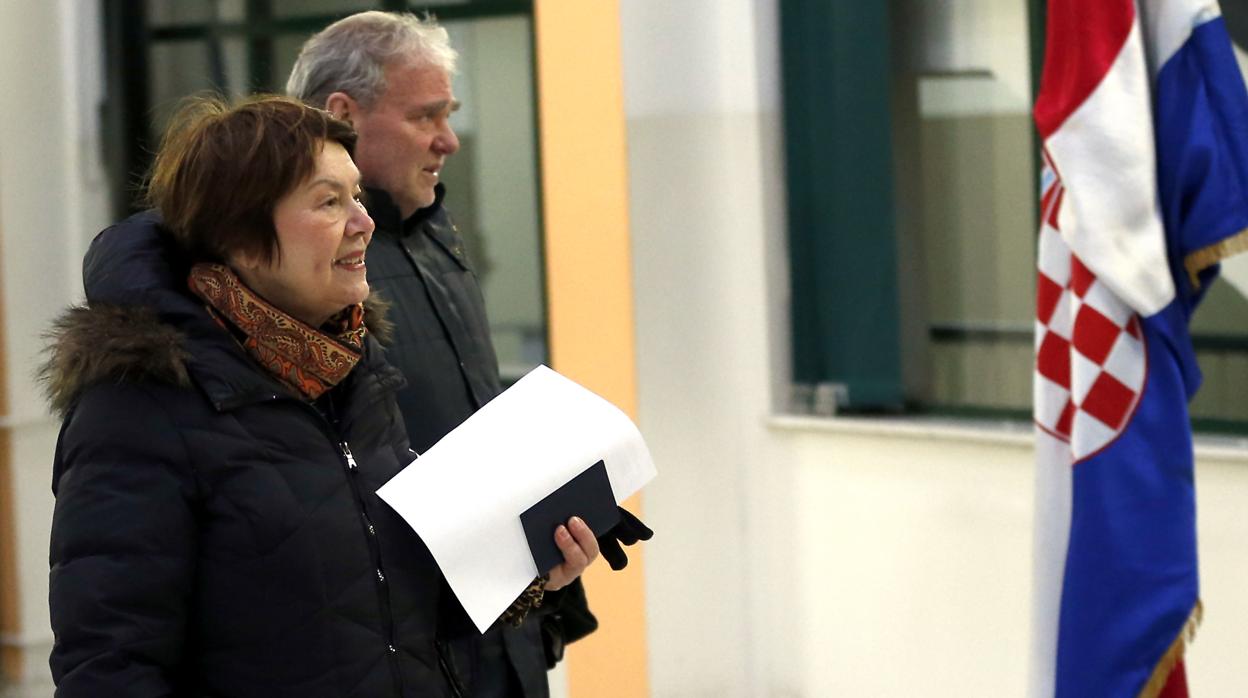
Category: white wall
<point>803,557</point>
<point>52,199</point>
<point>708,246</point>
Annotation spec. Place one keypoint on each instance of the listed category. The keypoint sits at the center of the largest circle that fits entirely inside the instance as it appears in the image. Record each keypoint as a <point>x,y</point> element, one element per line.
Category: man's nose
<point>447,142</point>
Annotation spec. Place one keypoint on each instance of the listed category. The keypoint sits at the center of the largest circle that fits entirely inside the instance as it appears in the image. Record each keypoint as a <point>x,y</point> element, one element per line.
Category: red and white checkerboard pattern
<point>1091,360</point>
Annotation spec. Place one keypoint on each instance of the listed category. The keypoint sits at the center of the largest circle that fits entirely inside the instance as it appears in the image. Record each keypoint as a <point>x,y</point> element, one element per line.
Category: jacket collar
<point>432,221</point>
<point>386,214</point>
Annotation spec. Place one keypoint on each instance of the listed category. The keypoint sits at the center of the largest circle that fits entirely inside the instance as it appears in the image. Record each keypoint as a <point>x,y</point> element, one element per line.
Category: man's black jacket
<point>442,345</point>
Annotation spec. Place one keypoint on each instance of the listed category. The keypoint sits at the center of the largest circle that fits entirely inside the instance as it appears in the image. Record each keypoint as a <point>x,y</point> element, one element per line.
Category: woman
<point>228,417</point>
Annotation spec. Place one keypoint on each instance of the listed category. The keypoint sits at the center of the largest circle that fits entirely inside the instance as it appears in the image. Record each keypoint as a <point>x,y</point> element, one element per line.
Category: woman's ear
<point>341,105</point>
<point>243,262</point>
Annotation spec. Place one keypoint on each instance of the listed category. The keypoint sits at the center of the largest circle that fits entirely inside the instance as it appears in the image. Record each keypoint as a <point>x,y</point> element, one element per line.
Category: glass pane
<point>176,69</point>
<point>310,8</point>
<point>161,13</point>
<point>1220,325</point>
<point>492,183</point>
<point>968,217</point>
<point>1220,334</point>
<point>181,68</point>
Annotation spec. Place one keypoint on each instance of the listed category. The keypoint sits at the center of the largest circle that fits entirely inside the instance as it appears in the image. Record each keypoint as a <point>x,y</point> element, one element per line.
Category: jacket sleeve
<point>122,549</point>
<point>565,617</point>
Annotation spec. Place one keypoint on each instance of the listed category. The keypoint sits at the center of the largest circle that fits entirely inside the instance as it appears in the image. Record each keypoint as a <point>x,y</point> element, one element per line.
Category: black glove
<point>628,531</point>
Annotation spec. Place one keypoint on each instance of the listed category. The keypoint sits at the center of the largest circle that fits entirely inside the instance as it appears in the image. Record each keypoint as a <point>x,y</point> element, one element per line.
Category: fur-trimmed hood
<point>109,343</point>
<point>105,343</point>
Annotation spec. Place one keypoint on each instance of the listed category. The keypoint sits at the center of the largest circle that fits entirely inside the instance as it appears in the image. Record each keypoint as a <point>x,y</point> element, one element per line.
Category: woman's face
<point>322,231</point>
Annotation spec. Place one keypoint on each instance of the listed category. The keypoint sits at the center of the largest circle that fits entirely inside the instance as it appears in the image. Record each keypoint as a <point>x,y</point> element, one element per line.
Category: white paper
<point>464,496</point>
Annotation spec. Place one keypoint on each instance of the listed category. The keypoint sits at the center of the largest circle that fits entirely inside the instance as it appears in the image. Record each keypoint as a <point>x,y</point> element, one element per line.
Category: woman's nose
<point>361,222</point>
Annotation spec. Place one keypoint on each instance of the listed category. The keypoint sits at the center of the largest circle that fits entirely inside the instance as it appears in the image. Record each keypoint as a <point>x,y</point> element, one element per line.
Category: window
<point>163,50</point>
<point>912,172</point>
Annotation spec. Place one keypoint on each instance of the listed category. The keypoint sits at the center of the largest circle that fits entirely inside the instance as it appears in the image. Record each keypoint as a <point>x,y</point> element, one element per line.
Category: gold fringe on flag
<point>1161,673</point>
<point>1206,257</point>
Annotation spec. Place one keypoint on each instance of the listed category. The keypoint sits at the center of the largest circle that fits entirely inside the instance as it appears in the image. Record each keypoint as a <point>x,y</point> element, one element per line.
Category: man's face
<point>405,137</point>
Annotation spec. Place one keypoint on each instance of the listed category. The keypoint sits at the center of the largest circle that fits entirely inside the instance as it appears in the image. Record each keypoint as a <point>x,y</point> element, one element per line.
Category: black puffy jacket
<point>442,345</point>
<point>214,535</point>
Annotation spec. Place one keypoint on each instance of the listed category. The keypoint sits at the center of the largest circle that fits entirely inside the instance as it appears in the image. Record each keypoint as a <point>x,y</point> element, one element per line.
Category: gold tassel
<point>1206,257</point>
<point>1161,673</point>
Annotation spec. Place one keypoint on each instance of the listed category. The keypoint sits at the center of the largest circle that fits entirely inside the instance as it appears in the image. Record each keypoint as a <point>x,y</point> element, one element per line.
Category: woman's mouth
<point>354,262</point>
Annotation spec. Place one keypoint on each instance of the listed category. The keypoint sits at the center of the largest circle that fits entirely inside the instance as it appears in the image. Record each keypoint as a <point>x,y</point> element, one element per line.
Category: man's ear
<point>341,105</point>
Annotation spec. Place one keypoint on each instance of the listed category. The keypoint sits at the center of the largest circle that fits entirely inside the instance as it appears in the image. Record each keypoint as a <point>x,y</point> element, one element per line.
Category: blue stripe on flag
<point>1131,581</point>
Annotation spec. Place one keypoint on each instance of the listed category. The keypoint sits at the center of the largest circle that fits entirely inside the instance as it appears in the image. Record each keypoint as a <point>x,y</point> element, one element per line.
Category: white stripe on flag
<point>1110,216</point>
<point>1171,23</point>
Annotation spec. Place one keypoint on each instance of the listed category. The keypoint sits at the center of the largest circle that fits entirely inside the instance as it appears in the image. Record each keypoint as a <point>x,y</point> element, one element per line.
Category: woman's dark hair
<point>221,170</point>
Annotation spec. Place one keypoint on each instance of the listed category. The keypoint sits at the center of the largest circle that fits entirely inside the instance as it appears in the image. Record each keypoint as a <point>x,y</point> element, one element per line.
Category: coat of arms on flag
<point>1144,119</point>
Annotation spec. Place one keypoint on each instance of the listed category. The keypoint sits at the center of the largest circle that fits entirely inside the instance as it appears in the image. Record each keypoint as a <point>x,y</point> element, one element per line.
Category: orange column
<point>589,287</point>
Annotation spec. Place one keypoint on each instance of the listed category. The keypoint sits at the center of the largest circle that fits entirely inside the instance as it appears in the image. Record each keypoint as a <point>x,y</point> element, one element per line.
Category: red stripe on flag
<point>1083,40</point>
<point>1176,684</point>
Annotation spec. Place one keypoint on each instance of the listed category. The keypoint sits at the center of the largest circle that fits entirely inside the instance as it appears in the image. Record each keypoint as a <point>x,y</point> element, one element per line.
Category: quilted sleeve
<point>123,547</point>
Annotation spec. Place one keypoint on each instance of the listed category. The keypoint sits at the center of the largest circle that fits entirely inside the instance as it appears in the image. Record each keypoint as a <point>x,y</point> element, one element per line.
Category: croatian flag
<point>1144,120</point>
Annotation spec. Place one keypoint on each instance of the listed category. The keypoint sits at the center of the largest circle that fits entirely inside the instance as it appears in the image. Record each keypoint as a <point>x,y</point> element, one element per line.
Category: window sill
<point>970,431</point>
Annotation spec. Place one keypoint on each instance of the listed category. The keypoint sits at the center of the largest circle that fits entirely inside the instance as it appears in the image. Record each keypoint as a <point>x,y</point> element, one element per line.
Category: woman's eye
<point>332,201</point>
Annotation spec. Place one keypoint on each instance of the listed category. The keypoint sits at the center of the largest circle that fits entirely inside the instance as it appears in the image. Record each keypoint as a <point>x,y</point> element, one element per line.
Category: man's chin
<point>424,198</point>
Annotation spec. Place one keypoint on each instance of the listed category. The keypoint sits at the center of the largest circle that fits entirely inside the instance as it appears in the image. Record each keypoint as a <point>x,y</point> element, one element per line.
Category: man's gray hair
<point>351,55</point>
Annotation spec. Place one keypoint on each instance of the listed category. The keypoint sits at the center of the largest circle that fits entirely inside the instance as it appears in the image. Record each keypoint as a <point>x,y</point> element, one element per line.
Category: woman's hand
<point>579,547</point>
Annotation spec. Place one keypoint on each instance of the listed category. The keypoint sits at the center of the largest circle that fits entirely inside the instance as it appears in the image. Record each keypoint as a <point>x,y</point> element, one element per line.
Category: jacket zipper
<point>374,549</point>
<point>330,430</point>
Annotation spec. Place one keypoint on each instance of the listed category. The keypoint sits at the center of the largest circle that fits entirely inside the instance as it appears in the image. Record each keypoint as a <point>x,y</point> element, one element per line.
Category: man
<point>390,76</point>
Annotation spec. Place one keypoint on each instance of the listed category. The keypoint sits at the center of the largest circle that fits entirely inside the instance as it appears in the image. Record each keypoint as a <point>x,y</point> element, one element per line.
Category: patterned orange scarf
<point>306,359</point>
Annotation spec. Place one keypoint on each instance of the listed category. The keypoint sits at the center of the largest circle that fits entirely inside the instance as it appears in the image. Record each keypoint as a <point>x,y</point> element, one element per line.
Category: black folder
<point>587,495</point>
